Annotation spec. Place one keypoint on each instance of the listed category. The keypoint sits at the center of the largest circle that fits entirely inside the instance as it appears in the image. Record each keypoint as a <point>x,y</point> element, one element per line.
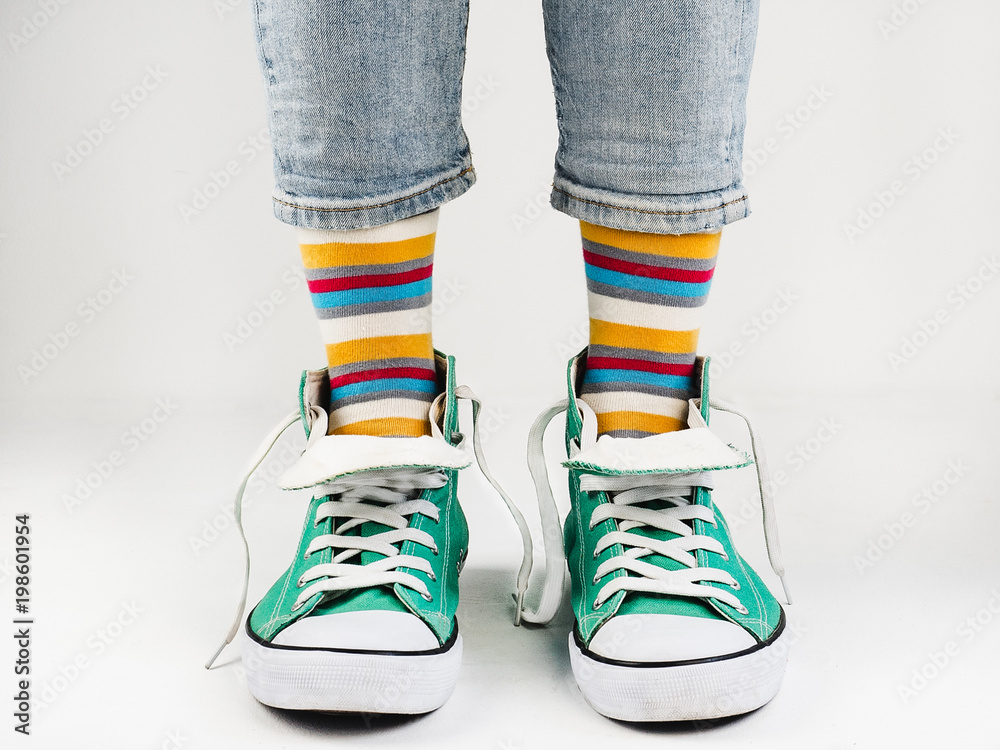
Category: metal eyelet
<point>432,576</point>
<point>296,607</point>
<point>427,597</point>
<point>725,556</point>
<point>742,610</point>
<point>436,551</point>
<point>735,585</point>
<point>595,605</point>
<point>300,583</point>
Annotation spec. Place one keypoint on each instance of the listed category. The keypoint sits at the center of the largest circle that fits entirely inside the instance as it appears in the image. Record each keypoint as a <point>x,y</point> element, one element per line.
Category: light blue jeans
<point>364,106</point>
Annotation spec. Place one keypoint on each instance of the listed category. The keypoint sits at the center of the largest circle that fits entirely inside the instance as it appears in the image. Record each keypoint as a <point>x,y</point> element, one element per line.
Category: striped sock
<point>372,292</point>
<point>645,294</point>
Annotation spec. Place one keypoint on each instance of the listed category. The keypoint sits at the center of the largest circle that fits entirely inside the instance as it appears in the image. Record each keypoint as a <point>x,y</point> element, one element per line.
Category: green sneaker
<point>363,620</point>
<point>671,623</point>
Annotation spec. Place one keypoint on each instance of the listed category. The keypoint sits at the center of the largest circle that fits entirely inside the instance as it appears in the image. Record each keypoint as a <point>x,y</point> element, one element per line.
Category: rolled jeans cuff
<point>687,213</point>
<point>315,213</point>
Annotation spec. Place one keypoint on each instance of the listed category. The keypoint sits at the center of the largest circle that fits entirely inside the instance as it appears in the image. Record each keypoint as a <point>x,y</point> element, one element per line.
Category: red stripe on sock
<point>661,368</point>
<point>418,373</point>
<point>369,280</point>
<point>651,272</point>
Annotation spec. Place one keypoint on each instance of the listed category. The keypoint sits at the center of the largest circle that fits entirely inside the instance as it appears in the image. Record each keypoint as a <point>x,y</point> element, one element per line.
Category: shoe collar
<point>330,456</point>
<point>690,450</point>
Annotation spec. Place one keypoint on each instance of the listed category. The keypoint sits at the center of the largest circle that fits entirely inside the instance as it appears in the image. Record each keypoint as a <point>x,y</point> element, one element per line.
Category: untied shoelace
<point>627,492</point>
<point>385,496</point>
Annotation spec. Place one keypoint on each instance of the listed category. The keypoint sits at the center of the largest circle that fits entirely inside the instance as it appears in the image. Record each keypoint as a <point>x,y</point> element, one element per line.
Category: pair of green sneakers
<point>671,623</point>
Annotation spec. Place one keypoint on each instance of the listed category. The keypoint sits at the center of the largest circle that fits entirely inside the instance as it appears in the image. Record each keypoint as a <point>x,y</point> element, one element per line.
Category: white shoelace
<point>385,496</point>
<point>627,493</point>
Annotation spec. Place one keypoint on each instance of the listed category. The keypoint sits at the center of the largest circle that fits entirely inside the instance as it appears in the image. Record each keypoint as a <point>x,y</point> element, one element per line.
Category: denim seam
<point>736,166</point>
<point>646,211</point>
<point>378,205</point>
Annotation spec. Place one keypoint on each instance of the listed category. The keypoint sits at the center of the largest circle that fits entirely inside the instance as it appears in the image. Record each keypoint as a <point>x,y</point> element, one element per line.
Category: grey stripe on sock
<point>339,272</point>
<point>383,364</point>
<point>629,433</point>
<point>650,259</point>
<point>367,308</point>
<point>361,398</point>
<point>650,298</point>
<point>620,352</point>
<point>623,386</point>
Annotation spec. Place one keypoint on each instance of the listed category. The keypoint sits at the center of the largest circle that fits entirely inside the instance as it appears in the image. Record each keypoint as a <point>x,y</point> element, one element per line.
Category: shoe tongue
<point>333,456</point>
<point>688,450</point>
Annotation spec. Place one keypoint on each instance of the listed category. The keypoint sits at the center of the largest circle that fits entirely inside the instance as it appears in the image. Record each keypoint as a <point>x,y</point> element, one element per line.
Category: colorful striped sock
<point>372,292</point>
<point>645,294</point>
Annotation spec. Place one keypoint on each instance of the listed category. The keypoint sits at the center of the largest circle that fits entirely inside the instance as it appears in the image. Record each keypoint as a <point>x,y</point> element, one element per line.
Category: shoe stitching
<point>743,619</point>
<point>445,568</point>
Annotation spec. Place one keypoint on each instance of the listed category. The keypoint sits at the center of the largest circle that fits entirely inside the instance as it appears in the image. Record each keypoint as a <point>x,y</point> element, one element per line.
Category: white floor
<point>132,590</point>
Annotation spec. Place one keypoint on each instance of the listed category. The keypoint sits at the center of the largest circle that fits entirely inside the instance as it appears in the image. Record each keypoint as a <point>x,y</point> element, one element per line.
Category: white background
<point>857,435</point>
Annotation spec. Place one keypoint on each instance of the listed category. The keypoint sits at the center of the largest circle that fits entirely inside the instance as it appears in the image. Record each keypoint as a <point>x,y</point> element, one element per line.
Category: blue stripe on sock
<point>678,382</point>
<point>372,294</point>
<point>644,284</point>
<point>383,384</point>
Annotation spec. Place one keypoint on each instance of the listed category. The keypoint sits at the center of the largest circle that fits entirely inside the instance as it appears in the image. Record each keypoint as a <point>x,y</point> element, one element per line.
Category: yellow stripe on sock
<point>364,254</point>
<point>604,333</point>
<point>386,427</point>
<point>380,347</point>
<point>637,420</point>
<point>674,245</point>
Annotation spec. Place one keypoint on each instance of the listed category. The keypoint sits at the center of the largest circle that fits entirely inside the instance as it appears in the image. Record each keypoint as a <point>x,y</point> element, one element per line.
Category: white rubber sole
<point>318,680</point>
<point>682,692</point>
